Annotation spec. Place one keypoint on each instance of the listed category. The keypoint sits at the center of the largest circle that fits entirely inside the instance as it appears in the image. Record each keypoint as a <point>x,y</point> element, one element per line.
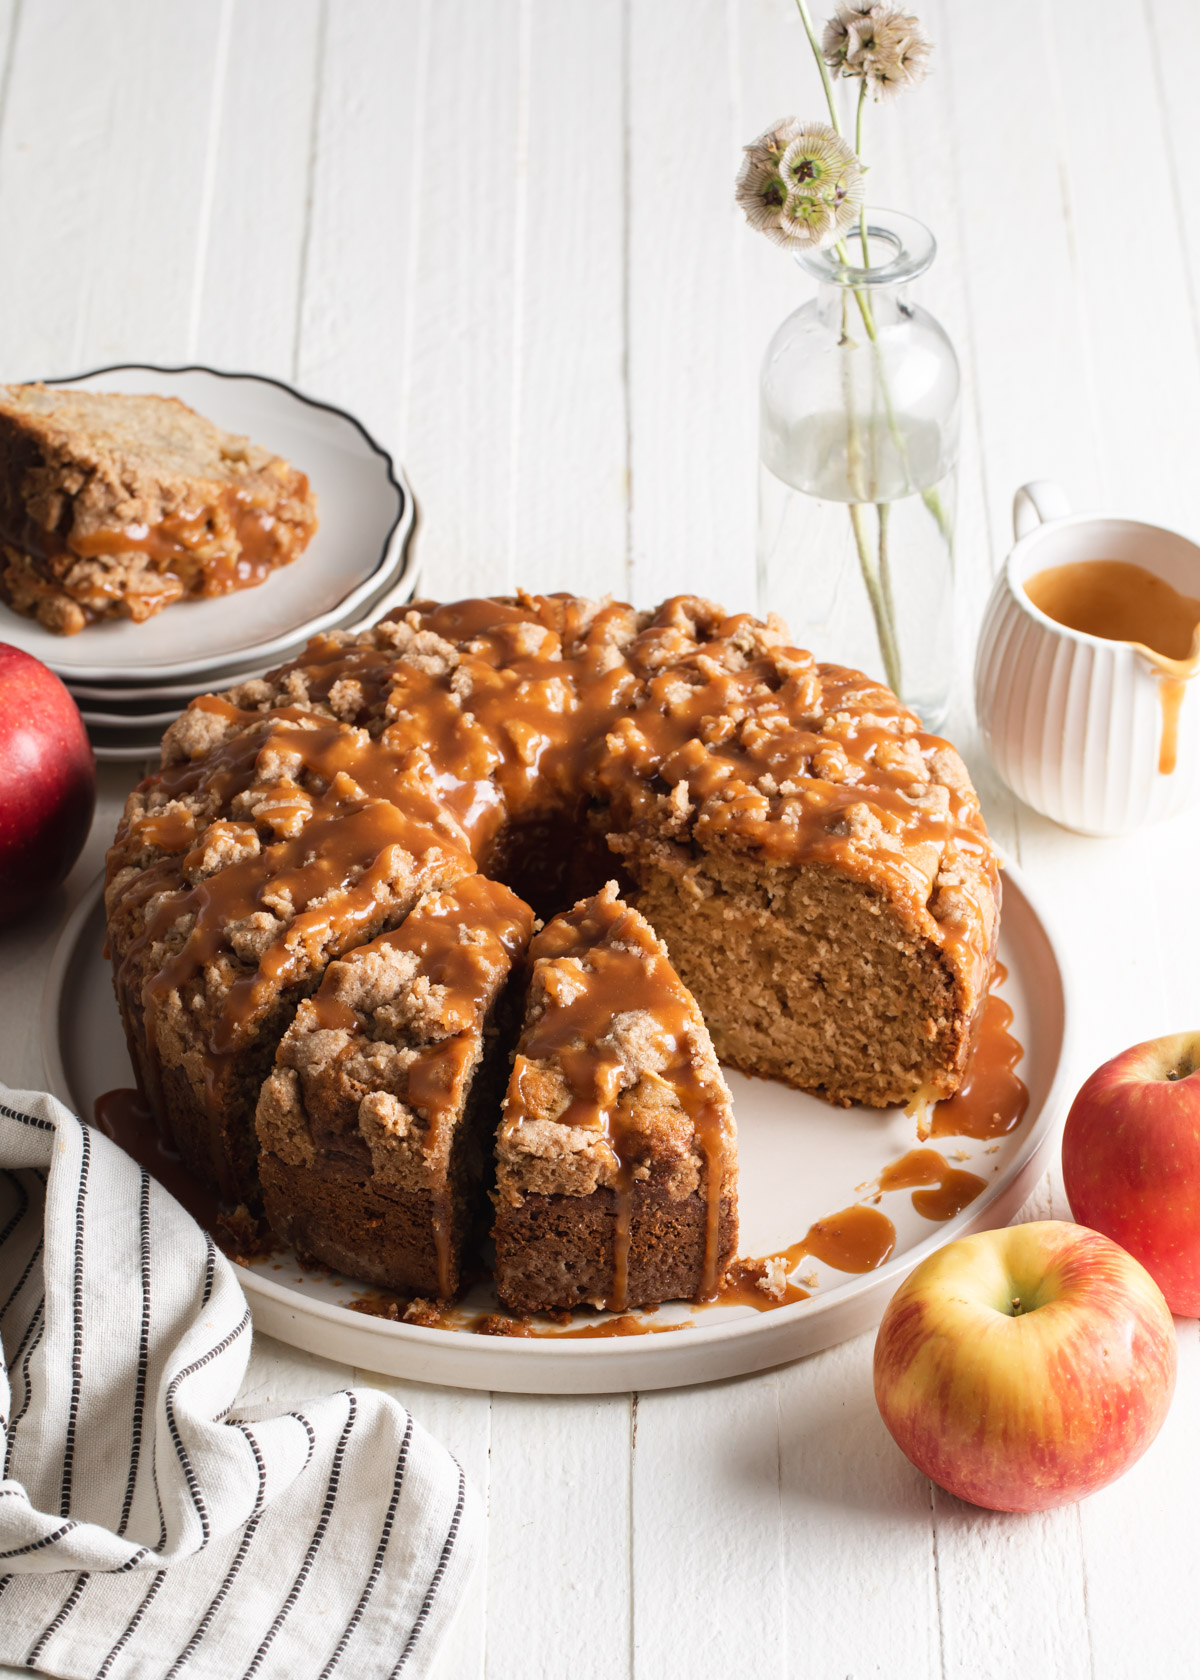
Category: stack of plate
<point>130,680</point>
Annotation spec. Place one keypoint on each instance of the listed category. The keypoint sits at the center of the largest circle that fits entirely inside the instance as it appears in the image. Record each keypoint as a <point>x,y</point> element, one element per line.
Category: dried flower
<point>800,183</point>
<point>873,40</point>
<point>808,220</point>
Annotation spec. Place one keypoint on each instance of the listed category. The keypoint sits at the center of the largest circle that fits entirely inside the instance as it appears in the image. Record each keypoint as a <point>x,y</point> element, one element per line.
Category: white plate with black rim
<point>365,510</point>
<point>800,1160</point>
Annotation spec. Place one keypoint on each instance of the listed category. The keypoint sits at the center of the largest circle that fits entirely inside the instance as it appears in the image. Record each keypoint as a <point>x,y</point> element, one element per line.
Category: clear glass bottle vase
<point>858,449</point>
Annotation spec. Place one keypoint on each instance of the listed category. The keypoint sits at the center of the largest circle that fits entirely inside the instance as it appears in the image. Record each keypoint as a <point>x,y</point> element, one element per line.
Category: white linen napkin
<point>145,1533</point>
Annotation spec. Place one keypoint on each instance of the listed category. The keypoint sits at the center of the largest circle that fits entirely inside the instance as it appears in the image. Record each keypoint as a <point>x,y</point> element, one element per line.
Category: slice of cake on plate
<point>375,1125</point>
<point>118,505</point>
<point>616,1170</point>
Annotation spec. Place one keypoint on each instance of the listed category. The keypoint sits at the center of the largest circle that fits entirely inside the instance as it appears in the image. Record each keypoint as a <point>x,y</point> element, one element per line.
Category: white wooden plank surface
<point>502,232</point>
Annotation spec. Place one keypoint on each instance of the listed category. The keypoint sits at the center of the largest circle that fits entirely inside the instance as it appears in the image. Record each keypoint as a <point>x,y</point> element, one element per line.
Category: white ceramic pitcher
<point>1074,723</point>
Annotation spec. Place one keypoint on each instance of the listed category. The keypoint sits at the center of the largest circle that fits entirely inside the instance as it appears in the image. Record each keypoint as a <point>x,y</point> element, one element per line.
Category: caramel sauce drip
<point>856,1239</point>
<point>1121,602</point>
<point>233,542</point>
<point>992,1098</point>
<point>1171,692</point>
<point>595,965</point>
<point>945,1191</point>
<point>625,1325</point>
<point>742,1287</point>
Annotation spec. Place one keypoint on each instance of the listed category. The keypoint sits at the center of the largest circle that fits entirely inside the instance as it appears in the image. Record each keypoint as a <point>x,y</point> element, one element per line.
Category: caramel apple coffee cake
<point>801,881</point>
<point>118,505</point>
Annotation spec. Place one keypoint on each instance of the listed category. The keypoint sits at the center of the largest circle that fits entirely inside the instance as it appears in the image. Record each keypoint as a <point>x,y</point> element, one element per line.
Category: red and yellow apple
<point>47,782</point>
<point>1131,1161</point>
<point>1025,1368</point>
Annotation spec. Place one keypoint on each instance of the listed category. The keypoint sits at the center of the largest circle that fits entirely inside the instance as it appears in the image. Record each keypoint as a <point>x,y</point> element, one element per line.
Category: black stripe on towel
<point>132,1628</point>
<point>23,1279</point>
<point>184,1461</point>
<point>40,1545</point>
<point>38,1319</point>
<point>439,1572</point>
<point>21,1211</point>
<point>139,1392</point>
<point>219,1599</point>
<point>380,1550</point>
<point>260,1461</point>
<point>314,1544</point>
<point>64,1503</point>
<point>28,1119</point>
<point>31,1661</point>
<point>210,1268</point>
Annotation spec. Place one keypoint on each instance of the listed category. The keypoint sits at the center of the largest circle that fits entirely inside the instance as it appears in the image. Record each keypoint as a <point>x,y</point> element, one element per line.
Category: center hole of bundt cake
<point>553,861</point>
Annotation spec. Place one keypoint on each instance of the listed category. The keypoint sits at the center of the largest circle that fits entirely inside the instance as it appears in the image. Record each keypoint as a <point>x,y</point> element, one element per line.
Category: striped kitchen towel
<point>147,1532</point>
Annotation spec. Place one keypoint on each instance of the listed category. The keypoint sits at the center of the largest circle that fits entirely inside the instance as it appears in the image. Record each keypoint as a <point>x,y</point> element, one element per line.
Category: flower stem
<point>826,81</point>
<point>883,622</point>
<point>858,147</point>
<point>884,510</point>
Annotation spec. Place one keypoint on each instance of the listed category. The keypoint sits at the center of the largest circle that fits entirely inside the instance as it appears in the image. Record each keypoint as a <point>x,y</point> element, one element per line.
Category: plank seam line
<point>208,183</point>
<point>937,1581</point>
<point>1156,70</point>
<point>310,190</point>
<point>6,68</point>
<point>626,296</point>
<point>520,266</point>
<point>413,264</point>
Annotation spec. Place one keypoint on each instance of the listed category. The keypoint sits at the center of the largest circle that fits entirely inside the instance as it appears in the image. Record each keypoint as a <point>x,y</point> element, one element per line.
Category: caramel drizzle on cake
<point>298,816</point>
<point>613,1016</point>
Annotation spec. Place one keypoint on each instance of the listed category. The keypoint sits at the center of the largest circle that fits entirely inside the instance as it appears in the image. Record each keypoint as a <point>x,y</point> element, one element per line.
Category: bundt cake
<point>816,866</point>
<point>616,1172</point>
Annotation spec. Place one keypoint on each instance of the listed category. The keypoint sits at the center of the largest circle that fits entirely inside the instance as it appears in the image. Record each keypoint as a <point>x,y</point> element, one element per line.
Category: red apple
<point>47,782</point>
<point>1024,1369</point>
<point>1131,1161</point>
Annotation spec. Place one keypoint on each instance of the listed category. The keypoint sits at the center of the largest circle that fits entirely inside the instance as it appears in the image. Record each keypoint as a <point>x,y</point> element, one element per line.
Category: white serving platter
<point>800,1159</point>
<point>364,507</point>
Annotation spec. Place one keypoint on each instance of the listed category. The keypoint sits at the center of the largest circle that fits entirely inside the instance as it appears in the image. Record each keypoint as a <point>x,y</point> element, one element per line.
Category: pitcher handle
<point>1035,503</point>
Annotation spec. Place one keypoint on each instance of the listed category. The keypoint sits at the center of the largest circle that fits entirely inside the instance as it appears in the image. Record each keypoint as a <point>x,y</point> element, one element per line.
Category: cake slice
<point>616,1171</point>
<point>375,1125</point>
<point>114,504</point>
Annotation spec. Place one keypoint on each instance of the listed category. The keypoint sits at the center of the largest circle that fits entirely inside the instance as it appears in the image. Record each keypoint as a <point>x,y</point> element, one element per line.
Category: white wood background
<point>502,231</point>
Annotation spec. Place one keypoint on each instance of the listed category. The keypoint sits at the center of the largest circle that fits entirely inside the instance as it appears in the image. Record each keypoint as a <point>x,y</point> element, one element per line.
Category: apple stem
<point>1016,1306</point>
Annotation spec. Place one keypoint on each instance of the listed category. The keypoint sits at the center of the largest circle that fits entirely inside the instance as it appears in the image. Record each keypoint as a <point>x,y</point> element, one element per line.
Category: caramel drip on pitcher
<point>1171,692</point>
<point>595,966</point>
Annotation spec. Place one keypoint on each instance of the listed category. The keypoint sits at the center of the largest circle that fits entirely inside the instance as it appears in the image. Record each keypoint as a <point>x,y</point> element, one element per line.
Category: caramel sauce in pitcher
<point>1122,602</point>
